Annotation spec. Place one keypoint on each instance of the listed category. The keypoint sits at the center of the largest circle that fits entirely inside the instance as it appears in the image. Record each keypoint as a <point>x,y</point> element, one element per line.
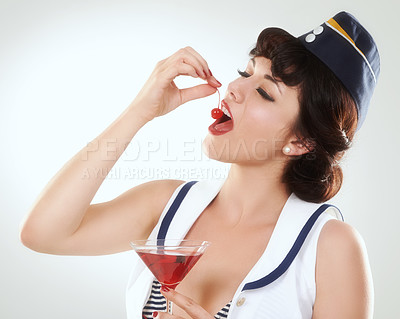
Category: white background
<point>68,68</point>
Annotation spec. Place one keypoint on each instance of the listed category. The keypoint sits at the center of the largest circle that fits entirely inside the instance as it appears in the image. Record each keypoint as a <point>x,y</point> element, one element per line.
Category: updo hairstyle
<point>327,120</point>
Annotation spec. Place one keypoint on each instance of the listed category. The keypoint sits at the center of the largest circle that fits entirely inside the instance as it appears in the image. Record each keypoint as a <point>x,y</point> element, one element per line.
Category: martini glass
<point>169,260</point>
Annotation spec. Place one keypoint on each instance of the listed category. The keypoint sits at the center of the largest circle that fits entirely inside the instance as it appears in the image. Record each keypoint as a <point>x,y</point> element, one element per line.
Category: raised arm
<point>63,221</point>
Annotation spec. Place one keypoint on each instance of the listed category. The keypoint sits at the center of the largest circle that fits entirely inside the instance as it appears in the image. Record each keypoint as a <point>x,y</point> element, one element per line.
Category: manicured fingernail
<point>165,288</point>
<point>210,72</point>
<point>155,314</point>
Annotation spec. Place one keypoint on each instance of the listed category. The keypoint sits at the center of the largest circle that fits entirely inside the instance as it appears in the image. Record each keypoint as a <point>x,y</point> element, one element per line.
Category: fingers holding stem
<point>193,309</point>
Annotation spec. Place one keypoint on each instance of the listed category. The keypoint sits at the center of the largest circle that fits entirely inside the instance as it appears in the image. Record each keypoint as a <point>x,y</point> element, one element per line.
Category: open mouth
<point>222,125</point>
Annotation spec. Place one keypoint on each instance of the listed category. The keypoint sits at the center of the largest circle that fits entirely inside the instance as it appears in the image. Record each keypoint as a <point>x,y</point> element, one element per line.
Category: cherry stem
<point>219,98</point>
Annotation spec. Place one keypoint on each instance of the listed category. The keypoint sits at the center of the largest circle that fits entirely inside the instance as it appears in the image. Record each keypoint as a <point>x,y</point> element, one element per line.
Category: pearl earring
<point>286,150</point>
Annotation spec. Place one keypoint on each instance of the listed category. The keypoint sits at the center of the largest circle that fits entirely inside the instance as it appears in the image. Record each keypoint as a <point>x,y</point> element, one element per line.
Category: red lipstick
<point>223,124</point>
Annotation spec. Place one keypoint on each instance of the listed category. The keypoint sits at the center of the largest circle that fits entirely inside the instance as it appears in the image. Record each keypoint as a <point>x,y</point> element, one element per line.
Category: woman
<point>290,116</point>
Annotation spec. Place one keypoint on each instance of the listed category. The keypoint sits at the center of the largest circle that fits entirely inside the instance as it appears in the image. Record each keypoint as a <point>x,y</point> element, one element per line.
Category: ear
<point>299,146</point>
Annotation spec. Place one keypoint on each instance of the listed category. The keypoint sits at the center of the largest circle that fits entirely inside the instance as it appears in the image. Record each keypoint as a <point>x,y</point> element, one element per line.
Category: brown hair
<point>327,118</point>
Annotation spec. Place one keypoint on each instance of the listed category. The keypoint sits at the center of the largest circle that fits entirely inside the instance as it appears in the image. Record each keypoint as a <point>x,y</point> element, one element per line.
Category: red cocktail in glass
<point>169,259</point>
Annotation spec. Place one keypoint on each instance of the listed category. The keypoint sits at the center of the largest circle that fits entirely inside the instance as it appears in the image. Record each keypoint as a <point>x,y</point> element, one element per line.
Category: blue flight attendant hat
<point>350,52</point>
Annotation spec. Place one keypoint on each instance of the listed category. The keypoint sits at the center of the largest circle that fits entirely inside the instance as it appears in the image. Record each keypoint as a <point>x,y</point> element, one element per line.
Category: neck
<point>252,191</point>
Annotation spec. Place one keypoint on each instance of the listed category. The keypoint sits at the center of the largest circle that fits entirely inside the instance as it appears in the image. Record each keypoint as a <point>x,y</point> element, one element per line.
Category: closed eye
<point>264,94</point>
<point>243,73</point>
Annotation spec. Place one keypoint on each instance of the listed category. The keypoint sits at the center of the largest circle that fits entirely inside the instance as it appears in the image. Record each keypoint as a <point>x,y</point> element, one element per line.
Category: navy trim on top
<point>278,271</point>
<point>162,233</point>
<point>284,265</point>
<point>341,215</point>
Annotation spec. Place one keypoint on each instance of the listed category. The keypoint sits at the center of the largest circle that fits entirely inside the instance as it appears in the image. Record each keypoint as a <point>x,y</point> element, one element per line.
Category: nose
<point>236,90</point>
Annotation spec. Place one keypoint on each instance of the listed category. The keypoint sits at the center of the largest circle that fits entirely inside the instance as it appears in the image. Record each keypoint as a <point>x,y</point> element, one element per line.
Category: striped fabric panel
<point>223,313</point>
<point>157,302</point>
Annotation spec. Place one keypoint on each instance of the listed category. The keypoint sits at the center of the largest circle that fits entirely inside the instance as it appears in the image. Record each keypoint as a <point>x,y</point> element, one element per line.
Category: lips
<point>225,123</point>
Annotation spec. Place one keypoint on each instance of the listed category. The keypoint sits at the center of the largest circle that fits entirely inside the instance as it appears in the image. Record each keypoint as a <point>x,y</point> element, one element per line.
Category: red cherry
<point>216,113</point>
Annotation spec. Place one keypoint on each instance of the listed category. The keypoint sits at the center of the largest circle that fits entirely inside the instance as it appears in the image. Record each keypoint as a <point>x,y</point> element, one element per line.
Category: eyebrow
<point>267,76</point>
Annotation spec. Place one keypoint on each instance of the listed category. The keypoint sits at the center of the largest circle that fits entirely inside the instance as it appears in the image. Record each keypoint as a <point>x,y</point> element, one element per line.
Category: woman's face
<point>263,112</point>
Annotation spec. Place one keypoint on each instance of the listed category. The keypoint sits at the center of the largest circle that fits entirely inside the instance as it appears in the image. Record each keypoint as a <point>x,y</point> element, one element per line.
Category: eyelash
<point>259,90</point>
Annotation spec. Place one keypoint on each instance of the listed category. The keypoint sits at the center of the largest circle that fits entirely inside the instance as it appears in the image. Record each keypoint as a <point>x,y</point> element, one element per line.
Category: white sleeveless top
<point>281,285</point>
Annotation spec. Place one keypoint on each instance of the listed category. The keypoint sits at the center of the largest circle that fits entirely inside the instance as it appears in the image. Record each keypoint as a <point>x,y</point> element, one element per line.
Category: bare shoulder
<point>152,196</point>
<point>108,227</point>
<point>343,275</point>
<point>341,237</point>
<point>163,188</point>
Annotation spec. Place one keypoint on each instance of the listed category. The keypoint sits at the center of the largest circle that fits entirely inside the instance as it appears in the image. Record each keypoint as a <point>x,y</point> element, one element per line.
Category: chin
<point>229,150</point>
<point>216,149</point>
<point>222,150</point>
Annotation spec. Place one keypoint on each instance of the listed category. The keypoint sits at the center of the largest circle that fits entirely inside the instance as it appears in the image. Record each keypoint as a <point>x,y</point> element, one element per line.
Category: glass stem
<point>169,307</point>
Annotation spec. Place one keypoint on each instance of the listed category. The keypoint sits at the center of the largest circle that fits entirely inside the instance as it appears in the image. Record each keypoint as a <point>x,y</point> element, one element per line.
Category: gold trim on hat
<point>336,27</point>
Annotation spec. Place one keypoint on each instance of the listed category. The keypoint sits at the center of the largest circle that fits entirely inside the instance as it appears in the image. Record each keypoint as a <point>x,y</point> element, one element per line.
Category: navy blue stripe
<point>156,307</point>
<point>162,233</point>
<point>157,303</point>
<point>280,270</point>
<point>341,215</point>
<point>154,297</point>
